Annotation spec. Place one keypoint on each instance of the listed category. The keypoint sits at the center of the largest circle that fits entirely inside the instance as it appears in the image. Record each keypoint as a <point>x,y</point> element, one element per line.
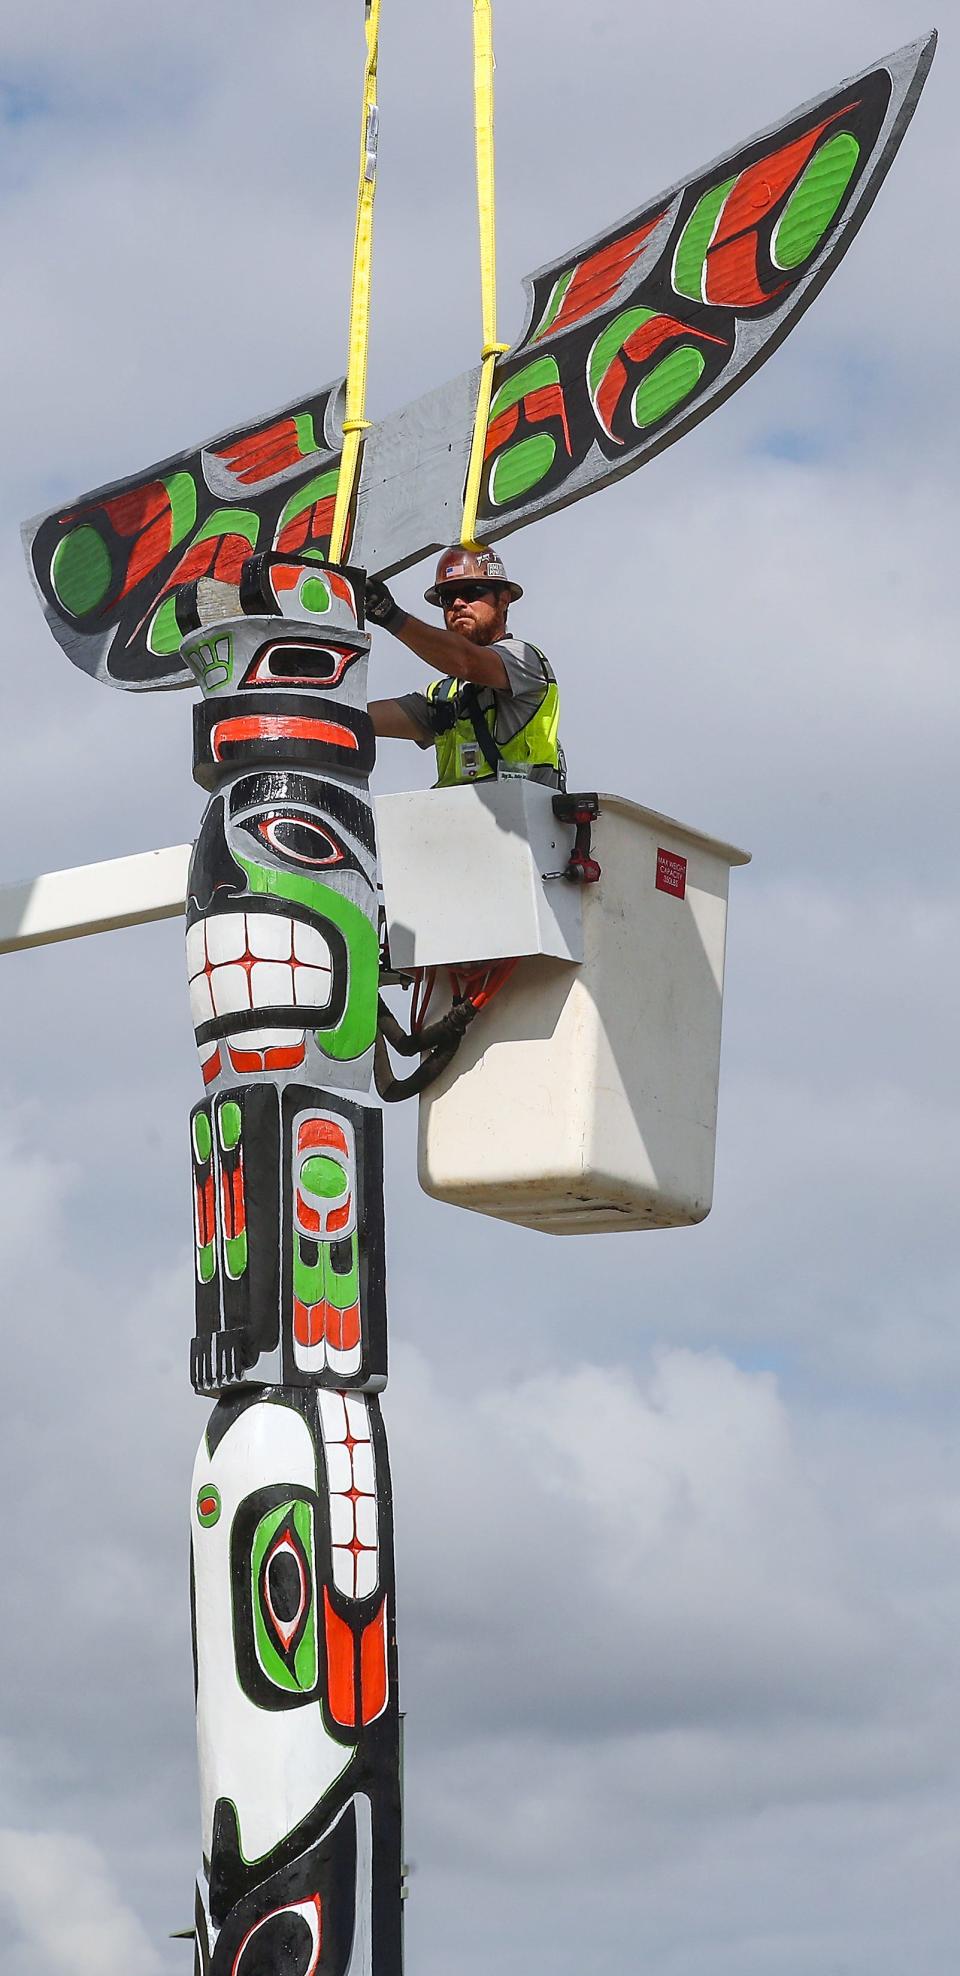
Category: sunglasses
<point>470,592</point>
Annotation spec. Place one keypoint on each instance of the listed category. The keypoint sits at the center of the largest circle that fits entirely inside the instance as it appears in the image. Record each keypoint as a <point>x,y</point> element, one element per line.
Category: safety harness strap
<point>483,68</point>
<point>355,423</point>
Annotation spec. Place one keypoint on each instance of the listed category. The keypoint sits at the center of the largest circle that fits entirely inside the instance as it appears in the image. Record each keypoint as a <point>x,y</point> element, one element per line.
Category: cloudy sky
<point>678,1515</point>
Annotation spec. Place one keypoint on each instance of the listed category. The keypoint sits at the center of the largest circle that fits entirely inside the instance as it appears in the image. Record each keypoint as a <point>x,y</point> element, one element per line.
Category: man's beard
<point>481,634</point>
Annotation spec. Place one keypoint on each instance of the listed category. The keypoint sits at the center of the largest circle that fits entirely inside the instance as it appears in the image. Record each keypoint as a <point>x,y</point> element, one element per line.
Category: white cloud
<point>68,1912</point>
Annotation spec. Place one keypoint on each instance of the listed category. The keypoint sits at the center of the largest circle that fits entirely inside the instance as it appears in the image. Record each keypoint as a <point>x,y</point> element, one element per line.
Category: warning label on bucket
<point>671,873</point>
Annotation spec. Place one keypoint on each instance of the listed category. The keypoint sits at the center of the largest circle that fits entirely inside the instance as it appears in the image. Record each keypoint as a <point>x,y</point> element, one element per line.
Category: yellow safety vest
<point>536,745</point>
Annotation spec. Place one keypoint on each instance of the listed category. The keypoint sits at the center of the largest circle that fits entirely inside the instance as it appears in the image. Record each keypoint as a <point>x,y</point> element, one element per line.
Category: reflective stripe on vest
<point>536,745</point>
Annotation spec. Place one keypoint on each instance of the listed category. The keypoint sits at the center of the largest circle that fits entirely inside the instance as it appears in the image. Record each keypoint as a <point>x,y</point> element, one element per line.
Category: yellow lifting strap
<point>483,67</point>
<point>354,423</point>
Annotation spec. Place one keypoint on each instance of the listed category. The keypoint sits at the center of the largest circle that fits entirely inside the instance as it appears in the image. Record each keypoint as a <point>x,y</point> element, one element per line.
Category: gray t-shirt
<point>527,690</point>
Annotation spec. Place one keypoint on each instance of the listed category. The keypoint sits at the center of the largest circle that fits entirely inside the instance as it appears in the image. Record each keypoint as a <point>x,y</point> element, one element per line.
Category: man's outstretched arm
<point>444,650</point>
<point>393,723</point>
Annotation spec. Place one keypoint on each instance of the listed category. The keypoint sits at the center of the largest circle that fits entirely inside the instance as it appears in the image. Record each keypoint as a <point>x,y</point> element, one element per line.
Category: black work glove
<point>381,608</point>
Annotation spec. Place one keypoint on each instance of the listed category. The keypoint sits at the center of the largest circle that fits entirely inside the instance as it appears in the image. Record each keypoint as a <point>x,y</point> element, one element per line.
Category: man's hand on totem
<point>381,608</point>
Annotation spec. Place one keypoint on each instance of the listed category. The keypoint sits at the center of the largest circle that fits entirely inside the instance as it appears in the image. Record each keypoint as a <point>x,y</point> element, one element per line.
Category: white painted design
<point>265,1039</point>
<point>351,1489</point>
<point>240,961</point>
<point>226,935</point>
<point>269,936</point>
<point>274,1765</point>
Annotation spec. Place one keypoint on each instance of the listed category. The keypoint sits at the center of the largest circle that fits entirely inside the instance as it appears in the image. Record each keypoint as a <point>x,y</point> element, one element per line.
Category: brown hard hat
<point>470,566</point>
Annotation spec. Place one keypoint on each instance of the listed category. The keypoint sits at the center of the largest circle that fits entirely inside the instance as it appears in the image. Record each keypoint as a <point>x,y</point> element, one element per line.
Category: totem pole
<point>292,1548</point>
<point>211,568</point>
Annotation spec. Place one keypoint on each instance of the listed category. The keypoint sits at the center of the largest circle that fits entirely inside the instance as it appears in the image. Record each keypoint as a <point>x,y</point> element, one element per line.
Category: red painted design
<point>642,344</point>
<point>373,1667</point>
<point>212,1067</point>
<point>732,277</point>
<point>671,873</point>
<point>546,403</point>
<point>341,1666</point>
<point>597,279</point>
<point>220,556</point>
<point>343,1328</point>
<point>257,456</point>
<point>144,512</point>
<point>205,1211</point>
<point>269,727</point>
<point>234,1206</point>
<point>249,1061</point>
<point>308,1322</point>
<point>502,429</point>
<point>314,525</point>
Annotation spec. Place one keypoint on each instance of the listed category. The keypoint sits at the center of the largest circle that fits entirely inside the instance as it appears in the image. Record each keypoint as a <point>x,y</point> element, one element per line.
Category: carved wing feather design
<point>629,341</point>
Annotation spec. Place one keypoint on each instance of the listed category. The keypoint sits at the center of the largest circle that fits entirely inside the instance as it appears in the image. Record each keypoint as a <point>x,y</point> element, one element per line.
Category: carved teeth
<point>271,985</point>
<point>309,945</point>
<point>201,1001</point>
<point>269,937</point>
<point>311,987</point>
<point>226,937</point>
<point>196,949</point>
<point>351,1487</point>
<point>239,961</point>
<point>230,990</point>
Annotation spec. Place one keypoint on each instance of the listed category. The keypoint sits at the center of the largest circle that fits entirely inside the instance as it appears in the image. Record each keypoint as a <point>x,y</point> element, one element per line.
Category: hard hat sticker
<point>671,873</point>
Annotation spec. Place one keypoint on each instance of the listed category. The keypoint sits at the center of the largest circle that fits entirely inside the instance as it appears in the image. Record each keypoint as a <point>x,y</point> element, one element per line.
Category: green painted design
<point>518,469</point>
<point>235,1248</point>
<point>182,496</point>
<point>164,635</point>
<point>211,660</point>
<point>343,1287</point>
<point>815,200</point>
<point>322,488</point>
<point>209,1506</point>
<point>554,303</point>
<point>303,1678</point>
<point>202,1136</point>
<point>306,434</point>
<point>323,1177</point>
<point>81,570</point>
<point>534,377</point>
<point>357,1028</point>
<point>610,342</point>
<point>694,243</point>
<point>207,1262</point>
<point>229,1124</point>
<point>667,386</point>
<point>307,1276</point>
<point>229,521</point>
<point>314,595</point>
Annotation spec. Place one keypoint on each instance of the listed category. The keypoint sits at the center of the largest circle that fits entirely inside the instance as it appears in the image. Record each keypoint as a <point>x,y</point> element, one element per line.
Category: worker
<point>497,705</point>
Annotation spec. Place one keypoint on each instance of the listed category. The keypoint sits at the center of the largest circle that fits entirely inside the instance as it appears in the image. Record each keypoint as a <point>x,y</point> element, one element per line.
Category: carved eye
<point>284,1598</point>
<point>285,1589</point>
<point>300,838</point>
<point>288,1939</point>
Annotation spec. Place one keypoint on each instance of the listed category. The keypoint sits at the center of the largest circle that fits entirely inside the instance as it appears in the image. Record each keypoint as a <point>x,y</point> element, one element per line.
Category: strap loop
<point>483,68</point>
<point>354,423</point>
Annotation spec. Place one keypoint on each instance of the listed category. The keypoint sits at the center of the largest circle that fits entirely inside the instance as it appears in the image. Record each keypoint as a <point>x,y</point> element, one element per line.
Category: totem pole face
<point>283,962</point>
<point>282,947</point>
<point>292,1543</point>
